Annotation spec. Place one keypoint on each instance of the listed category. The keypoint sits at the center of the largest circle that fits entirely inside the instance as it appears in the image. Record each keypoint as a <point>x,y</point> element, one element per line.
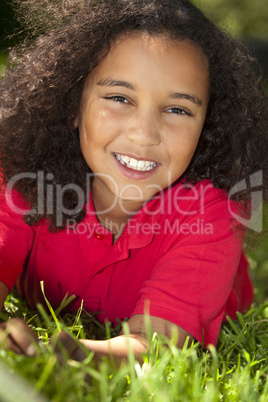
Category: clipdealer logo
<point>48,193</point>
<point>255,222</point>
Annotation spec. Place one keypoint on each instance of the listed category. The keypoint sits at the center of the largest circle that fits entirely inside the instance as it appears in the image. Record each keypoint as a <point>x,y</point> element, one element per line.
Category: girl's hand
<point>67,348</point>
<point>16,335</point>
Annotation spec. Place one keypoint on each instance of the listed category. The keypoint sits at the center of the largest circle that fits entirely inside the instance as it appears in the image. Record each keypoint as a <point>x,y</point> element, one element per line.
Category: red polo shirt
<point>178,255</point>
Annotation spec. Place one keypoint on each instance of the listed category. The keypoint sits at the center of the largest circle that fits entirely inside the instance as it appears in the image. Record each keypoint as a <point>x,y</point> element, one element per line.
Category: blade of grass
<point>50,307</point>
<point>64,303</point>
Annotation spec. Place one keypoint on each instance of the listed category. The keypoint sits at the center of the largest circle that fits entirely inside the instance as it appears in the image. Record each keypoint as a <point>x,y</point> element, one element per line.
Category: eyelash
<point>179,111</point>
<point>117,98</point>
<point>122,99</point>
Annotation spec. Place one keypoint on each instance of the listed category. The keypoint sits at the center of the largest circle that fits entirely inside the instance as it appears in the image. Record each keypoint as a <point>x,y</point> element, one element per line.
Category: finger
<point>65,342</point>
<point>6,342</point>
<point>21,337</point>
<point>68,347</point>
<point>9,344</point>
<point>79,355</point>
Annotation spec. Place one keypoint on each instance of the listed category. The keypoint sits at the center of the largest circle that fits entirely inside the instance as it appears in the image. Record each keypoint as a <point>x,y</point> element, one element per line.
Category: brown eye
<point>119,99</point>
<point>178,110</point>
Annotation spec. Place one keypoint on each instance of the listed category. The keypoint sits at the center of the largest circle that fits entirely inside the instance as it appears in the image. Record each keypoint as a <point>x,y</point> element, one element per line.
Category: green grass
<point>236,371</point>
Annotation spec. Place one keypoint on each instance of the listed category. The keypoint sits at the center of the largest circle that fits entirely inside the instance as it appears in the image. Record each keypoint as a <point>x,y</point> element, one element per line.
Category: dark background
<point>8,25</point>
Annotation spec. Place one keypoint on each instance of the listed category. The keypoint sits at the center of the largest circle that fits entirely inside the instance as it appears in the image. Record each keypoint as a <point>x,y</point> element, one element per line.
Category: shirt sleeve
<point>16,237</point>
<point>193,280</point>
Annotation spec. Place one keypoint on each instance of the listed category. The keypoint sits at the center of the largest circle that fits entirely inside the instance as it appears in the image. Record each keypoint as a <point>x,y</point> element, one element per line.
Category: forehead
<point>157,46</point>
<point>156,59</point>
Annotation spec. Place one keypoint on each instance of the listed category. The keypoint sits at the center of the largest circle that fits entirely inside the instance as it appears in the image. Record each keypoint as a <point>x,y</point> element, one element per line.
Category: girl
<point>124,132</point>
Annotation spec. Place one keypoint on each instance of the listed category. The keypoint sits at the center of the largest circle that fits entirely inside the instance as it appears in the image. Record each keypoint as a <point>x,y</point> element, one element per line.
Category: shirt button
<point>99,236</point>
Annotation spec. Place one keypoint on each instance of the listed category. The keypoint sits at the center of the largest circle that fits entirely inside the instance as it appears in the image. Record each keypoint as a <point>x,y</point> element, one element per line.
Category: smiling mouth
<point>131,163</point>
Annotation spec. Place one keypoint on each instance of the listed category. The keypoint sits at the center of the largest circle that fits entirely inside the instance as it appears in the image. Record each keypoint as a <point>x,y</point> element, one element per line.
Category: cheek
<point>184,146</point>
<point>181,153</point>
<point>99,127</point>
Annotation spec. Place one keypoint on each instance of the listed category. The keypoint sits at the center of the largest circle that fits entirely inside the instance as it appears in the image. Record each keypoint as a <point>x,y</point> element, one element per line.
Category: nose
<point>145,129</point>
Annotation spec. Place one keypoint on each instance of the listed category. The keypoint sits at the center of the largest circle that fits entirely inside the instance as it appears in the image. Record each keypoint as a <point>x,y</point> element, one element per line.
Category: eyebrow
<point>191,98</point>
<point>110,82</point>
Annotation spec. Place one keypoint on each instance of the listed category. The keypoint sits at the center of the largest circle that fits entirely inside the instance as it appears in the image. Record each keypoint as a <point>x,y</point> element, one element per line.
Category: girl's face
<point>142,112</point>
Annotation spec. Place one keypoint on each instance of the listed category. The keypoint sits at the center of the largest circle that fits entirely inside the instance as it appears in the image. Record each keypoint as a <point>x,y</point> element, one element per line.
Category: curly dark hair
<point>40,94</point>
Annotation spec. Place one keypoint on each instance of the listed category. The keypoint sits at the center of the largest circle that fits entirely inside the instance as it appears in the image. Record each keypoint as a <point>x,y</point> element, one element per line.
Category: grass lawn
<point>235,371</point>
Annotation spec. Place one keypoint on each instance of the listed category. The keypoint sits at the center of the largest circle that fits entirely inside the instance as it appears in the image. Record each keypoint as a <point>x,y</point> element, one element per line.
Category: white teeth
<point>134,164</point>
<point>126,159</point>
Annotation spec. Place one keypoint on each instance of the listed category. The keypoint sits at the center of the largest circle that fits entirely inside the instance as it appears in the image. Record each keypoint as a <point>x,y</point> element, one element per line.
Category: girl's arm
<point>17,336</point>
<point>118,348</point>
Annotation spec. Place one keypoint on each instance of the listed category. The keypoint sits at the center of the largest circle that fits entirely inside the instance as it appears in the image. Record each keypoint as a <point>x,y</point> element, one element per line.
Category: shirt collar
<point>140,229</point>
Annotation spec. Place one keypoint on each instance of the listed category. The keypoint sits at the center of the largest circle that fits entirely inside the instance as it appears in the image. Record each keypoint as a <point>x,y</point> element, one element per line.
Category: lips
<point>138,165</point>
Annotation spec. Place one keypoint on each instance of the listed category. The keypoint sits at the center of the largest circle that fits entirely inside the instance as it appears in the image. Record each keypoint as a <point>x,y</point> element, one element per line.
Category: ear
<point>74,123</point>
